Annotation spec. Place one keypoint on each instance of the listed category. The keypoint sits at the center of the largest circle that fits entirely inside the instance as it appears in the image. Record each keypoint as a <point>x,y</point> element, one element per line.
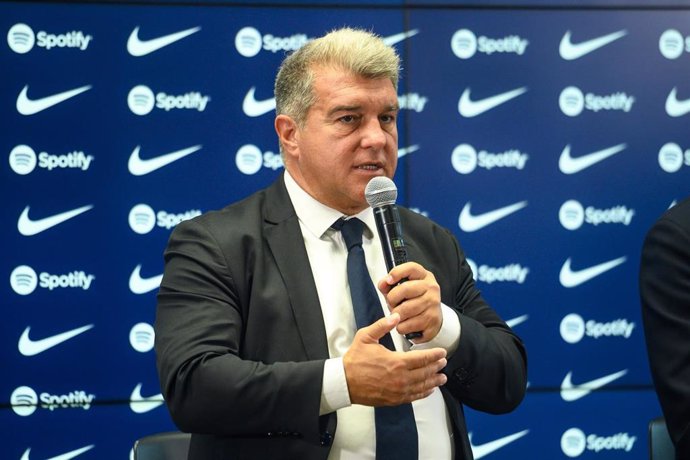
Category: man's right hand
<point>377,376</point>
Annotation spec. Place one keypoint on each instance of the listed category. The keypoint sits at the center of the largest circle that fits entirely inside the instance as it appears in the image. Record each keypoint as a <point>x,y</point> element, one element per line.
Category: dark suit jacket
<point>665,294</point>
<point>241,344</point>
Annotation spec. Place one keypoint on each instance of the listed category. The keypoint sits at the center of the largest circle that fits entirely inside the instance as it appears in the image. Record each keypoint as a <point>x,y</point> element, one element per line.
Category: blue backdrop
<point>547,137</point>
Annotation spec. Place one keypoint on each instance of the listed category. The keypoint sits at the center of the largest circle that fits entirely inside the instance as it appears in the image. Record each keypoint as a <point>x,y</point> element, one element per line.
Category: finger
<point>428,371</point>
<point>439,366</point>
<point>415,324</point>
<point>400,274</point>
<point>398,293</point>
<point>423,308</point>
<point>409,270</point>
<point>407,303</point>
<point>383,285</point>
<point>423,395</point>
<point>426,379</point>
<point>417,359</point>
<point>374,332</point>
<point>437,380</point>
<point>415,290</point>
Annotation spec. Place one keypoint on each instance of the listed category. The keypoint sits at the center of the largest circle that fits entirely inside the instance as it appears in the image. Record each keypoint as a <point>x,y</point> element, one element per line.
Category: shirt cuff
<point>449,335</point>
<point>334,392</point>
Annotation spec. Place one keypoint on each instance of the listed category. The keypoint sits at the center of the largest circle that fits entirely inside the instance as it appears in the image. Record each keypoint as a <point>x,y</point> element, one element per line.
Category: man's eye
<point>387,118</point>
<point>348,119</point>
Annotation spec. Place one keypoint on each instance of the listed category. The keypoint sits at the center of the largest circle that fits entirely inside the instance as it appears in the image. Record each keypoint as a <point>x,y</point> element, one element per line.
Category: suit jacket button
<point>461,373</point>
<point>326,439</point>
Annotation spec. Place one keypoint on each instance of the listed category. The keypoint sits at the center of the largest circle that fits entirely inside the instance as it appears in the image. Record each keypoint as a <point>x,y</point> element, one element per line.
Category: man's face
<point>349,136</point>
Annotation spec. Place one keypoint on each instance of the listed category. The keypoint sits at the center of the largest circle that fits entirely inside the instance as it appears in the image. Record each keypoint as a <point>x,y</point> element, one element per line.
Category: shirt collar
<point>315,216</point>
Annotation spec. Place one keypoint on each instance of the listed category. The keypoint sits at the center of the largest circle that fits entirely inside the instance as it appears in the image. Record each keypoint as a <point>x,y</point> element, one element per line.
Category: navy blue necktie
<point>396,431</point>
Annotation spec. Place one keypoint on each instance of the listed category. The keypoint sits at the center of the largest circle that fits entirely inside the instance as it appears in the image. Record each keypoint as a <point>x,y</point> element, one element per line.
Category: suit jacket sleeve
<point>665,296</point>
<point>488,371</point>
<point>218,375</point>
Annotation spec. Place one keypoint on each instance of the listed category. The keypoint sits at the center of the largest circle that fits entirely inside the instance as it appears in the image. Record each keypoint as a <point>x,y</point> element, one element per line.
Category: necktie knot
<point>351,230</point>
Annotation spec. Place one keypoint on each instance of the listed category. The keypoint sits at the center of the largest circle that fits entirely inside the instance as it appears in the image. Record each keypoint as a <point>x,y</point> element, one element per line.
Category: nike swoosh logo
<point>570,392</point>
<point>570,165</point>
<point>571,51</point>
<point>482,450</point>
<point>65,456</point>
<point>515,321</point>
<point>469,108</point>
<point>472,223</point>
<point>137,47</point>
<point>28,347</point>
<point>674,107</point>
<point>397,38</point>
<point>139,167</point>
<point>27,106</point>
<point>254,108</point>
<point>140,404</point>
<point>139,285</point>
<point>405,150</point>
<point>570,278</point>
<point>29,227</point>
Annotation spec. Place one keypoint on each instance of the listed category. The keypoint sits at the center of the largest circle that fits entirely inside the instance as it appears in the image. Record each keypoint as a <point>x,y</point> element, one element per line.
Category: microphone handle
<point>394,252</point>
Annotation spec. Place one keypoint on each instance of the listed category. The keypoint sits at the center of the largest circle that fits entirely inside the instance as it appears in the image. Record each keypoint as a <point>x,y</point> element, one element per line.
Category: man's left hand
<point>417,300</point>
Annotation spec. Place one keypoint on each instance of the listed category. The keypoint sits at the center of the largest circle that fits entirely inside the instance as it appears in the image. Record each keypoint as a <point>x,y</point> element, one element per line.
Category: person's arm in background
<point>665,296</point>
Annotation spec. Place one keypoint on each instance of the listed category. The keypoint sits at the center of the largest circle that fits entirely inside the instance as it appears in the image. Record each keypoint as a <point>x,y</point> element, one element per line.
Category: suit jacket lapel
<point>285,241</point>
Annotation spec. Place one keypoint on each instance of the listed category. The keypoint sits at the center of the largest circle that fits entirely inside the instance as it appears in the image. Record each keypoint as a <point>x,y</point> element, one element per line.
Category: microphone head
<point>381,191</point>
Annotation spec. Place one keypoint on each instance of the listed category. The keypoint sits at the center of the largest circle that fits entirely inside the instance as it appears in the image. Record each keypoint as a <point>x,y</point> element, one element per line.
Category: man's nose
<point>373,135</point>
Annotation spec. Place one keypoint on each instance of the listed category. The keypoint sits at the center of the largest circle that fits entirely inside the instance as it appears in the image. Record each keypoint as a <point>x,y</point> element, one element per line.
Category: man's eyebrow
<point>344,108</point>
<point>356,108</point>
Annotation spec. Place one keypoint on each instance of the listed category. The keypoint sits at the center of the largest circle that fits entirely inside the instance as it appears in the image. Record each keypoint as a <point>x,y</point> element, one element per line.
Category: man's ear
<point>288,134</point>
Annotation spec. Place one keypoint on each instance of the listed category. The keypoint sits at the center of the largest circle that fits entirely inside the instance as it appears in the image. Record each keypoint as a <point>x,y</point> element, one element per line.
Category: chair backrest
<point>172,445</point>
<point>660,444</point>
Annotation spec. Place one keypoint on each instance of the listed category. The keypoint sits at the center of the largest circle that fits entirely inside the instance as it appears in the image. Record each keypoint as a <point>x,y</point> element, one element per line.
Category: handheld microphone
<point>381,194</point>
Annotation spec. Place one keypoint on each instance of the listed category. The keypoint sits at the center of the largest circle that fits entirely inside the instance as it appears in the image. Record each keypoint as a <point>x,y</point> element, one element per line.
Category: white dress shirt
<point>355,437</point>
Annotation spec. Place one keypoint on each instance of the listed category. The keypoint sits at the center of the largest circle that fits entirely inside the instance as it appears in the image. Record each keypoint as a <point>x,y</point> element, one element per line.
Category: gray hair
<point>357,51</point>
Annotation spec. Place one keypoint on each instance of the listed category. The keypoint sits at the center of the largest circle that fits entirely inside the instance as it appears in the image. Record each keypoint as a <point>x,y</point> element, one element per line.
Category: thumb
<point>374,332</point>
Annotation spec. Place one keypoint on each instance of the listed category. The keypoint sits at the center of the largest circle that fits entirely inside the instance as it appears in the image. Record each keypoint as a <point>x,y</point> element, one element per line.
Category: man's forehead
<point>350,90</point>
<point>336,72</point>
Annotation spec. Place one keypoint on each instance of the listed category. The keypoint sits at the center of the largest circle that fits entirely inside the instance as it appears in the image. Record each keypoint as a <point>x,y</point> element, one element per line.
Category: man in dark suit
<point>258,352</point>
<point>665,294</point>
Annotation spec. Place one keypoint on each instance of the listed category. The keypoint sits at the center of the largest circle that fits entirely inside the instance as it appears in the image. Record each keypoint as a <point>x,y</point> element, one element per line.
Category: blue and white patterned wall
<point>547,139</point>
